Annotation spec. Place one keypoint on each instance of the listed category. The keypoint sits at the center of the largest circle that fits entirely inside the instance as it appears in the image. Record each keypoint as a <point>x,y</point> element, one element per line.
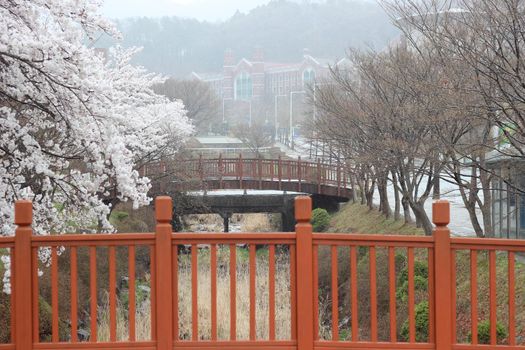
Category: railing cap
<point>303,208</point>
<point>163,209</point>
<point>441,212</point>
<point>23,212</point>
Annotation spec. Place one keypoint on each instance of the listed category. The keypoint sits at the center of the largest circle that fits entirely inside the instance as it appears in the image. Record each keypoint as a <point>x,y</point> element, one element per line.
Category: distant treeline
<point>178,46</point>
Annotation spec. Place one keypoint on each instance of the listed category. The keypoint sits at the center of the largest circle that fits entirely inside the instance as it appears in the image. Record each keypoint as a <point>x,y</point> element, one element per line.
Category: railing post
<point>239,171</point>
<point>22,288</point>
<point>304,266</point>
<point>280,172</point>
<point>442,269</point>
<point>220,170</point>
<point>299,171</point>
<point>201,170</point>
<point>259,170</point>
<point>318,175</point>
<point>338,179</point>
<point>163,264</point>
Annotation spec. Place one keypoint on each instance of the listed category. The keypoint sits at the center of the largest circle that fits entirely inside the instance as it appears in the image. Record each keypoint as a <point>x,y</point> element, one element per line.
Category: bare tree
<point>481,43</point>
<point>254,136</point>
<point>201,102</point>
<point>385,116</point>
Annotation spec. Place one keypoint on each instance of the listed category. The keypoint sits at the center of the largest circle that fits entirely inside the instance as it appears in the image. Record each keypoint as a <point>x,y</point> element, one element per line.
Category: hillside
<point>354,217</point>
<point>178,46</point>
<point>358,218</point>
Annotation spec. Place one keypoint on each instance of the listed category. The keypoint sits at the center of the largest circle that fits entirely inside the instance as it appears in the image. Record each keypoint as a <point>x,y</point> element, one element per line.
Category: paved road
<point>460,224</point>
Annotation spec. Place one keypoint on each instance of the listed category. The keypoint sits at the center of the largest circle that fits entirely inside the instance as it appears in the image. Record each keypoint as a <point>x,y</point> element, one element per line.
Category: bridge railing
<point>258,169</point>
<point>298,290</point>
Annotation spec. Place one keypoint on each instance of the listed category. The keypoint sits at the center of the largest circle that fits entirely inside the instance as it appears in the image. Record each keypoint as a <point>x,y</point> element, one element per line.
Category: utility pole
<point>291,115</point>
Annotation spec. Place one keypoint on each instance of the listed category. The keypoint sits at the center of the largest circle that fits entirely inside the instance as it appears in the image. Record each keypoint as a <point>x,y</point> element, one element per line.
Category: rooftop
<point>217,140</point>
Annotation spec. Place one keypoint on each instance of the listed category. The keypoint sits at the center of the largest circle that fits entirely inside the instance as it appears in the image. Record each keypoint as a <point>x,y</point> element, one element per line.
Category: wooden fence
<point>259,173</point>
<point>378,330</point>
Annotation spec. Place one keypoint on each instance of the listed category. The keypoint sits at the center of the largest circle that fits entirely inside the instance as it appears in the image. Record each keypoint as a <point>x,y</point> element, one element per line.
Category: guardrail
<point>362,269</point>
<point>260,173</point>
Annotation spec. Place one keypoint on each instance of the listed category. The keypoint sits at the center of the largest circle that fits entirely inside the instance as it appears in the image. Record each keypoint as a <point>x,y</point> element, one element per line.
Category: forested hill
<point>283,28</point>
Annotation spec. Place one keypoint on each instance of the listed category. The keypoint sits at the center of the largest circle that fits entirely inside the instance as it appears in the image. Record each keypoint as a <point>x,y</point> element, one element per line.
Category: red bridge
<point>255,173</point>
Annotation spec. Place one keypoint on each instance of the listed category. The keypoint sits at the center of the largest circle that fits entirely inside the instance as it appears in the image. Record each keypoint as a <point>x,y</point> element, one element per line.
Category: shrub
<point>421,324</point>
<point>420,284</point>
<point>420,269</point>
<point>120,215</point>
<point>484,332</point>
<point>320,219</point>
<point>401,259</point>
<point>45,315</point>
<point>45,322</point>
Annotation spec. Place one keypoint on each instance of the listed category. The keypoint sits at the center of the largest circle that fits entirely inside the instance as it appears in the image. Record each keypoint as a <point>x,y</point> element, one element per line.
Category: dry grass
<point>242,292</point>
<point>142,322</point>
<point>358,218</point>
<point>253,222</point>
<point>502,290</point>
<point>282,297</point>
<point>258,222</point>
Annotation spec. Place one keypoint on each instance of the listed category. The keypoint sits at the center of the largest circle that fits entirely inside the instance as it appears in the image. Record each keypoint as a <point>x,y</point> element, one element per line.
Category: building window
<point>308,77</point>
<point>243,87</point>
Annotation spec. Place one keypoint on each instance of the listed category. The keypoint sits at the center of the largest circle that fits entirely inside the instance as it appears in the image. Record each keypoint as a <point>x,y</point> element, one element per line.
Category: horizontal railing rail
<point>271,290</point>
<point>257,170</point>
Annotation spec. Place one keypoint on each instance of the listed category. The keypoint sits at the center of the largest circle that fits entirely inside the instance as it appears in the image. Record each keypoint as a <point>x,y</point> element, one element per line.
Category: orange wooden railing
<point>303,248</point>
<point>252,173</point>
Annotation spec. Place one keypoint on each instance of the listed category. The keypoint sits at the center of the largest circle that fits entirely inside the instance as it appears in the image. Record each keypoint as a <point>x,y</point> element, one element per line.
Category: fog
<point>206,10</point>
<point>185,36</point>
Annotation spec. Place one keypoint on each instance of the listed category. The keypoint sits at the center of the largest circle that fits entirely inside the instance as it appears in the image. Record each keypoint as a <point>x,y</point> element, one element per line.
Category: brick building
<point>258,90</point>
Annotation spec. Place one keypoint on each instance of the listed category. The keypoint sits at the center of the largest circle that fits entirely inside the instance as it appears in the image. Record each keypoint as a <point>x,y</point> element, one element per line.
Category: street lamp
<point>250,120</point>
<point>314,116</point>
<point>291,114</point>
<point>275,116</point>
<point>223,109</point>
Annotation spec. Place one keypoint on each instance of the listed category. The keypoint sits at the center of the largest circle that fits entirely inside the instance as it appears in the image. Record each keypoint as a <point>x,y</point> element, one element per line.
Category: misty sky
<point>210,10</point>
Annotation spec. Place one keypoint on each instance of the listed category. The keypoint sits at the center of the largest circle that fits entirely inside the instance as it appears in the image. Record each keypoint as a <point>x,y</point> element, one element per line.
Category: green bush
<point>484,332</point>
<point>320,219</point>
<point>45,315</point>
<point>420,269</point>
<point>45,320</point>
<point>119,215</point>
<point>420,284</point>
<point>401,259</point>
<point>421,324</point>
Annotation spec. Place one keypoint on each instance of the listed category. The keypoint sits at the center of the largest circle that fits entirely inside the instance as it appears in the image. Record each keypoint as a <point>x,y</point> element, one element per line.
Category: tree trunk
<point>471,209</point>
<point>422,218</point>
<point>370,195</point>
<point>383,197</point>
<point>406,210</point>
<point>436,193</point>
<point>354,189</point>
<point>397,200</point>
<point>486,213</point>
<point>362,192</point>
<point>486,207</point>
<point>470,198</point>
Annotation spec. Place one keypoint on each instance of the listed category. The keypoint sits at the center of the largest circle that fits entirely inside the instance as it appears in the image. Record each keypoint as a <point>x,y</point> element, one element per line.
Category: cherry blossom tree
<point>75,124</point>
